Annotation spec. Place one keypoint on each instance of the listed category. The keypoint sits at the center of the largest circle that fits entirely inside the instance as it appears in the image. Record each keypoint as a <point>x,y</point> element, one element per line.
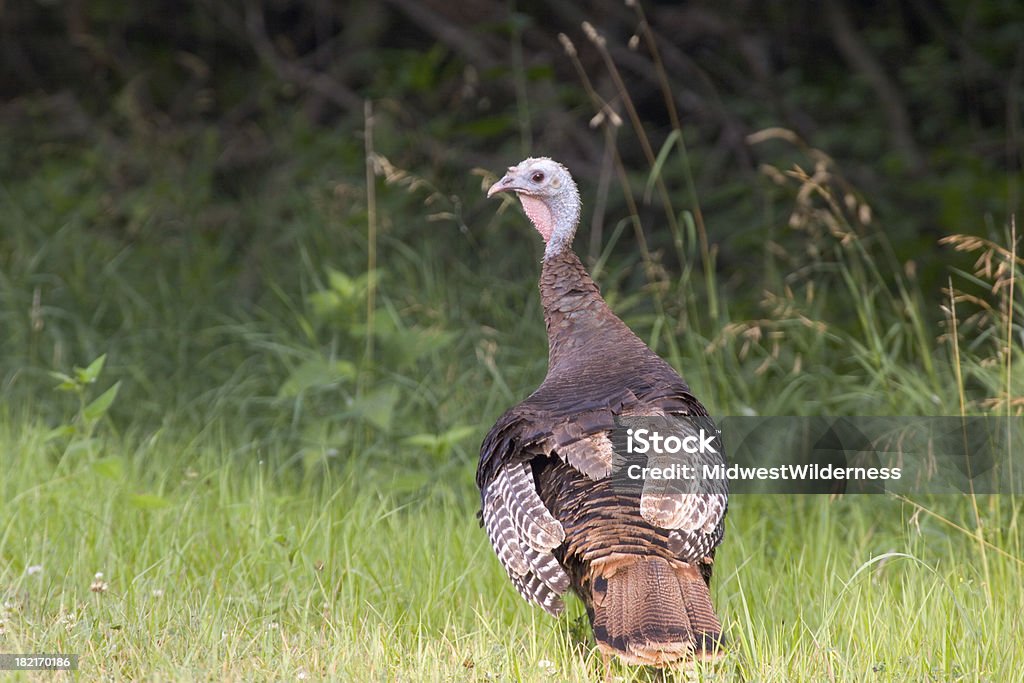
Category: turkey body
<point>639,559</point>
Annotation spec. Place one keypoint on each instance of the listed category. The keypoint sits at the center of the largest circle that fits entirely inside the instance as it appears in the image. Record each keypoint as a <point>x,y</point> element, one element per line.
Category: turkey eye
<point>538,177</point>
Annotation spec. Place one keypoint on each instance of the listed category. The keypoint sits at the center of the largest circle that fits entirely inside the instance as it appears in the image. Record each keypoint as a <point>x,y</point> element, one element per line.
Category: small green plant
<point>90,411</point>
<point>329,371</point>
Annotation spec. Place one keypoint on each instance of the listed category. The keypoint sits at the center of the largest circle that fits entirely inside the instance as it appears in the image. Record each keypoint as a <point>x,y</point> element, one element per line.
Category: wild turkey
<point>640,561</point>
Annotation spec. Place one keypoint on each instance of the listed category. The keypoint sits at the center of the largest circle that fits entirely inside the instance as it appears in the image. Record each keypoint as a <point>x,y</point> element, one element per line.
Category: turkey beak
<point>506,184</point>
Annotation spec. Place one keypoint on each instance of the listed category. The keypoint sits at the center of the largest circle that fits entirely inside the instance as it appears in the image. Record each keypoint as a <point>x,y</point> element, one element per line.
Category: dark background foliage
<point>920,102</point>
<point>164,151</point>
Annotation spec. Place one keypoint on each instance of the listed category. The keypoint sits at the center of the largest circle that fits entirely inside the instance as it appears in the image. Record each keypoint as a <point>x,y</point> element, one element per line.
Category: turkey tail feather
<point>651,612</point>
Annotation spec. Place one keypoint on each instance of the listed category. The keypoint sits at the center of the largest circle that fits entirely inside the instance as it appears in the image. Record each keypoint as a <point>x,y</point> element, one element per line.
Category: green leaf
<point>316,373</point>
<point>377,407</point>
<point>99,406</point>
<point>325,303</point>
<point>341,283</point>
<point>67,382</point>
<point>111,468</point>
<point>90,374</point>
<point>672,139</point>
<point>64,431</point>
<point>457,434</point>
<point>148,501</point>
<point>84,447</point>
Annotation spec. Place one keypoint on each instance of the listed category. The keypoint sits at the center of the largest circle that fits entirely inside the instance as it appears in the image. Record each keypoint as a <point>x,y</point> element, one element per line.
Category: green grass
<point>221,567</point>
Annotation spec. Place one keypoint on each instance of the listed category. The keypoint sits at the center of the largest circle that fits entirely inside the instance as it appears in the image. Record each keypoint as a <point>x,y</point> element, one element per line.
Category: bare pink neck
<point>539,214</point>
<point>555,218</point>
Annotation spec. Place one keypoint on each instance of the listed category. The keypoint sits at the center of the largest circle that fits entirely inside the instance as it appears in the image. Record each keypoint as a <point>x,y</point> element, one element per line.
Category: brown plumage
<point>639,559</point>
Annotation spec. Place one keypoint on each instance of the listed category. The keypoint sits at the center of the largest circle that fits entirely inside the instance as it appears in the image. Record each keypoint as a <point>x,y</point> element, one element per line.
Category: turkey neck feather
<point>581,328</point>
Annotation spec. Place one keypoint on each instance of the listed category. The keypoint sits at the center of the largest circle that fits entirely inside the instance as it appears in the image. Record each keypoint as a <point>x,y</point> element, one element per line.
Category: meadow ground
<point>217,566</point>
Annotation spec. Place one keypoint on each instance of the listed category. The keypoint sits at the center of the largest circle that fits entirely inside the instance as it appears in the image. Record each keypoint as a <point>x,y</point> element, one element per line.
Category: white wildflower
<point>98,585</point>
